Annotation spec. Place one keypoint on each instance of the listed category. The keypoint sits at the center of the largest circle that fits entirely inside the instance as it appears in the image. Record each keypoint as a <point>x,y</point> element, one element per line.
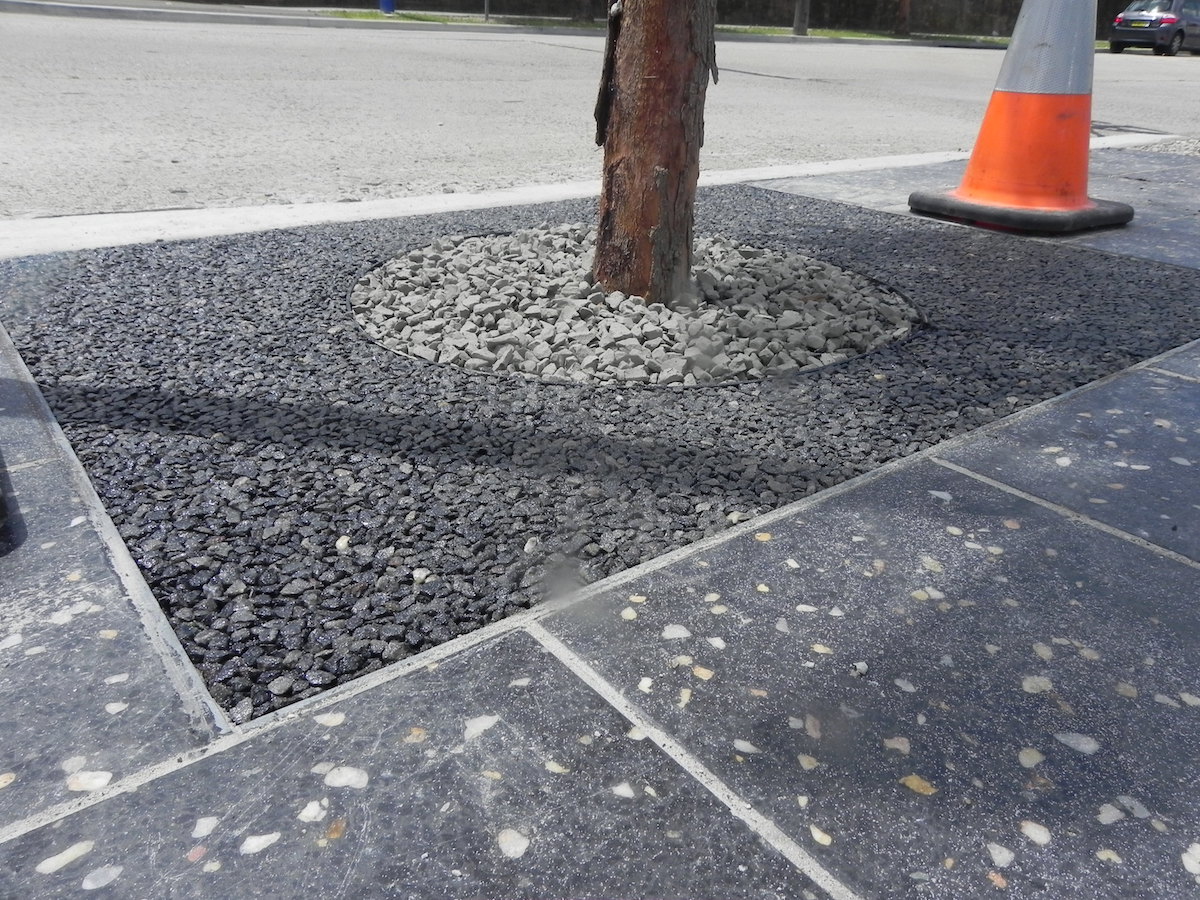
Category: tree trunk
<point>800,17</point>
<point>650,119</point>
<point>903,15</point>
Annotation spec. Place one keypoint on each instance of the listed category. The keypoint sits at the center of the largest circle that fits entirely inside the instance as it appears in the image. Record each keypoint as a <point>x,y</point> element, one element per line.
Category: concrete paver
<point>94,684</point>
<point>495,773</point>
<point>884,666</point>
<point>1161,187</point>
<point>1126,454</point>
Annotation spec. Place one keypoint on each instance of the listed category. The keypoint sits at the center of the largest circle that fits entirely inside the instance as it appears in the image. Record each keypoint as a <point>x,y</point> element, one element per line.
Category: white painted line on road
<point>767,830</point>
<point>27,237</point>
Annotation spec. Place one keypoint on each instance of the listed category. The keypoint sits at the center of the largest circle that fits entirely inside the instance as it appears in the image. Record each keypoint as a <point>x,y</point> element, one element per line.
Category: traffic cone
<point>1029,168</point>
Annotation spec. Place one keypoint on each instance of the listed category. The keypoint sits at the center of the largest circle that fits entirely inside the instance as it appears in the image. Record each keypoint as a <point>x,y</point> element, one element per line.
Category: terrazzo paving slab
<point>85,696</point>
<point>1126,453</point>
<point>935,687</point>
<point>494,774</point>
<point>1159,186</point>
<point>1185,362</point>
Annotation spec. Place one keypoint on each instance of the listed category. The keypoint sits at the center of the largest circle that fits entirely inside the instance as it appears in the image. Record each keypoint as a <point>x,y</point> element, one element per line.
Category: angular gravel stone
<point>754,313</point>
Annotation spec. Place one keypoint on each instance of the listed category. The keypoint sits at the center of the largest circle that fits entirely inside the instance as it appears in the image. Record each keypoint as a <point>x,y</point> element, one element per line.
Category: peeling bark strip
<point>656,73</point>
<point>607,83</point>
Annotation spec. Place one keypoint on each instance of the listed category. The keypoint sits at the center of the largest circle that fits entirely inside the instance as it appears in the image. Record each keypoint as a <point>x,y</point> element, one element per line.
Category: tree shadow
<point>453,439</point>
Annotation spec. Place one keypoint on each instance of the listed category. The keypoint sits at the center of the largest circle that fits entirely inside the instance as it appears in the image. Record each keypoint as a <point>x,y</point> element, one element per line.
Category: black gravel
<point>237,422</point>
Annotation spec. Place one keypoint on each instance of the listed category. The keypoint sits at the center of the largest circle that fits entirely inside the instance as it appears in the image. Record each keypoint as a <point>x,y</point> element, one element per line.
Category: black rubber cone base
<point>1103,214</point>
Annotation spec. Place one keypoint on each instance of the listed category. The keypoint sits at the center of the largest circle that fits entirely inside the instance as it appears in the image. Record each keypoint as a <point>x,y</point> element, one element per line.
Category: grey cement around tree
<point>308,507</point>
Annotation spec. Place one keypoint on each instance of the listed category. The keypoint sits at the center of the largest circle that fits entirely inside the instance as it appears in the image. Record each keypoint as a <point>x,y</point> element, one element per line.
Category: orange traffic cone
<point>1029,168</point>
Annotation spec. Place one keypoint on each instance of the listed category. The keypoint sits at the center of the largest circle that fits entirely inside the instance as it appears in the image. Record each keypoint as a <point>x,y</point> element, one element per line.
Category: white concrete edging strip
<point>28,237</point>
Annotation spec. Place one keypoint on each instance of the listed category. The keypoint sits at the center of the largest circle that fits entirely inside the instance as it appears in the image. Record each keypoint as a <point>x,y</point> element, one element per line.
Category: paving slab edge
<point>197,703</point>
<point>1067,513</point>
<point>673,748</point>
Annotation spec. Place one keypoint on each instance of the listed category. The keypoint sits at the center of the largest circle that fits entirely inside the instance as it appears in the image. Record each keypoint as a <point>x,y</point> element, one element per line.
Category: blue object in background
<point>387,6</point>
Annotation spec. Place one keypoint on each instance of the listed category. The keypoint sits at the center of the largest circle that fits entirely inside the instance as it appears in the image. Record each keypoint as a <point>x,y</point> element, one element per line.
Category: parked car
<point>1165,26</point>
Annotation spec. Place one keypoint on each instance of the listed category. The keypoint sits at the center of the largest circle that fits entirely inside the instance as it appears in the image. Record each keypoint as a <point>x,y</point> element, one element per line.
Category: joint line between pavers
<point>1071,514</point>
<point>126,785</point>
<point>1191,379</point>
<point>186,681</point>
<point>390,673</point>
<point>31,464</point>
<point>762,826</point>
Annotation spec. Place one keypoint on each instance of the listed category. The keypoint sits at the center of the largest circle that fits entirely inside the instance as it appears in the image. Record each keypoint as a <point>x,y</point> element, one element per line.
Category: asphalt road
<point>113,116</point>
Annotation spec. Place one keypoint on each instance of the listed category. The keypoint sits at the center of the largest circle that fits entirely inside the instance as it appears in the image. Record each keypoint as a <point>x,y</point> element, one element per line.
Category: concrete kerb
<point>57,234</point>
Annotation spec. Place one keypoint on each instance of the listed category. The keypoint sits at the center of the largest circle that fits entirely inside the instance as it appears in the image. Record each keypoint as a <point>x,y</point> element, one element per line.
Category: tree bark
<point>650,120</point>
<point>800,17</point>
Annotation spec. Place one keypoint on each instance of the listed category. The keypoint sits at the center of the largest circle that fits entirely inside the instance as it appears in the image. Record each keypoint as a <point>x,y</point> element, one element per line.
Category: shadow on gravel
<point>541,450</point>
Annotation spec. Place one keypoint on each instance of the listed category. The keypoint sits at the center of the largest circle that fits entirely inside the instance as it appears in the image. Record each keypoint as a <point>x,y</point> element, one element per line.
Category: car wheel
<point>1114,47</point>
<point>1176,44</point>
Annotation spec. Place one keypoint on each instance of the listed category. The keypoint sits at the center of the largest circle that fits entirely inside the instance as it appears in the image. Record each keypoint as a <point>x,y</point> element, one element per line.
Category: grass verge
<point>372,15</point>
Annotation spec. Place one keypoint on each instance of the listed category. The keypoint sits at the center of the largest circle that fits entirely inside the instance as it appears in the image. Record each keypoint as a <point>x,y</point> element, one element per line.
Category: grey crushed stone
<point>238,423</point>
<point>1181,147</point>
<point>526,304</point>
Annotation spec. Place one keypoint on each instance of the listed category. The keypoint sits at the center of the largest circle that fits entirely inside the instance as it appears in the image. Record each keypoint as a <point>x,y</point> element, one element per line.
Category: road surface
<point>116,116</point>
